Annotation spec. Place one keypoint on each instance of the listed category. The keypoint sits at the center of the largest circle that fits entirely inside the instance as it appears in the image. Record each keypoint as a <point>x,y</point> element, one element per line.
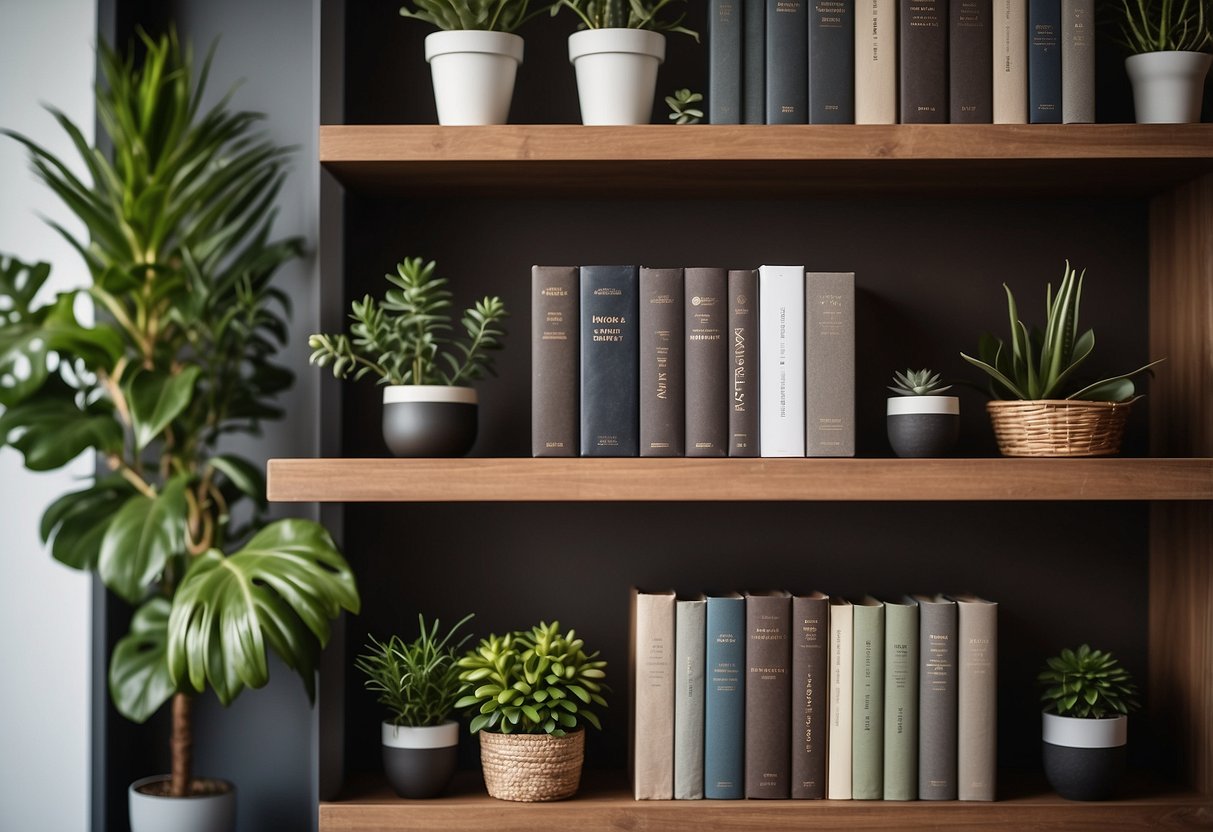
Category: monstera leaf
<point>76,523</point>
<point>50,430</point>
<point>139,679</point>
<point>144,534</point>
<point>279,592</point>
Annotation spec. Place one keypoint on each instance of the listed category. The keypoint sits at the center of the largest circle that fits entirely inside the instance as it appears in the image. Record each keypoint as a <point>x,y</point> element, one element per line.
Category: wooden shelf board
<point>767,160</point>
<point>609,480</point>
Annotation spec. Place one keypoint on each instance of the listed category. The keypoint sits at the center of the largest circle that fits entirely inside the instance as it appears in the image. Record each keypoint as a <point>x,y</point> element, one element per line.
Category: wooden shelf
<point>566,480</point>
<point>768,160</point>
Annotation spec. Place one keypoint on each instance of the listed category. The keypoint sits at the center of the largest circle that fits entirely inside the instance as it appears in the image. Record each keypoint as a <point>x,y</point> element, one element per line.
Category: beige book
<point>977,692</point>
<point>1010,61</point>
<point>842,651</point>
<point>653,648</point>
<point>876,62</point>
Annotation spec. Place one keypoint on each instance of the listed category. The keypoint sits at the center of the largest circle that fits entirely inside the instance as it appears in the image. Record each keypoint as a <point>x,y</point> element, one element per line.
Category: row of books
<point>630,361</point>
<point>769,695</point>
<point>913,61</point>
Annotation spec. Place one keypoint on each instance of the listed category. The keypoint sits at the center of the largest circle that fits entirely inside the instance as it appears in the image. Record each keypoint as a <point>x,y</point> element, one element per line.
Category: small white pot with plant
<point>1170,42</point>
<point>920,422</point>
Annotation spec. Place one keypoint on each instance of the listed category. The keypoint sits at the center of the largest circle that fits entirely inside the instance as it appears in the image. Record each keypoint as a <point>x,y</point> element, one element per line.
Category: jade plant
<point>483,15</point>
<point>683,109</point>
<point>417,681</point>
<point>1166,25</point>
<point>402,339</point>
<point>532,682</point>
<point>1087,684</point>
<point>625,14</point>
<point>1040,365</point>
<point>918,383</point>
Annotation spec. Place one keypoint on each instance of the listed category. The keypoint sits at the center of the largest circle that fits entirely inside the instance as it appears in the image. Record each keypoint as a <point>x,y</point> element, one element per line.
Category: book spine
<point>832,61</point>
<point>810,672</point>
<point>971,62</point>
<point>829,363</point>
<point>937,702</point>
<point>610,361</point>
<point>1044,61</point>
<point>787,62</point>
<point>901,701</point>
<point>924,61</point>
<point>754,61</point>
<point>661,362</point>
<point>707,361</point>
<point>1078,61</point>
<point>867,703</point>
<point>724,700</point>
<point>743,363</point>
<point>1010,61</point>
<point>876,62</point>
<point>977,695</point>
<point>724,61</point>
<point>768,695</point>
<point>781,369</point>
<point>555,322</point>
<point>653,725</point>
<point>690,628</point>
<point>842,651</point>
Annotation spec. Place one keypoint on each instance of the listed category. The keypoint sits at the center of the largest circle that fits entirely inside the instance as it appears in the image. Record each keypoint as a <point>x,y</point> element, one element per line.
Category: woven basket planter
<point>531,767</point>
<point>1059,427</point>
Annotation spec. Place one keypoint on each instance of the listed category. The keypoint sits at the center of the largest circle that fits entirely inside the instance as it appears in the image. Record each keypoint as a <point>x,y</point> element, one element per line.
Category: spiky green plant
<point>532,682</point>
<point>625,14</point>
<point>1166,25</point>
<point>1086,683</point>
<point>483,15</point>
<point>682,106</point>
<point>417,681</point>
<point>1040,365</point>
<point>918,383</point>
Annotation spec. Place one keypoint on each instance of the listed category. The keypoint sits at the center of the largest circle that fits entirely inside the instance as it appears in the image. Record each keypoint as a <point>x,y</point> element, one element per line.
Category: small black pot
<point>419,762</point>
<point>1084,759</point>
<point>923,426</point>
<point>429,419</point>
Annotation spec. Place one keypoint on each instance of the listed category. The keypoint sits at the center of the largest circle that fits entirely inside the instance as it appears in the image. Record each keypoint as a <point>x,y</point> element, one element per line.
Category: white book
<point>876,62</point>
<point>838,762</point>
<point>781,360</point>
<point>690,625</point>
<point>1010,61</point>
<point>653,694</point>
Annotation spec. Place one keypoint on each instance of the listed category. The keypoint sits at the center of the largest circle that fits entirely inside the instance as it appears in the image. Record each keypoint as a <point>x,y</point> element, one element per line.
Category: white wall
<point>46,55</point>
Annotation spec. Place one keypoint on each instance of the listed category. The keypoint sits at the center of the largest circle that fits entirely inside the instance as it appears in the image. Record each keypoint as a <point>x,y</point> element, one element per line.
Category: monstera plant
<point>179,257</point>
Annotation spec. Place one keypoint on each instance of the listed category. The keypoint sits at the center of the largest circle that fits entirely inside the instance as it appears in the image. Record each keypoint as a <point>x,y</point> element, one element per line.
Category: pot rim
<point>420,737</point>
<point>133,789</point>
<point>1084,732</point>
<point>454,41</point>
<point>1169,53</point>
<point>434,393</point>
<point>920,405</point>
<point>643,42</point>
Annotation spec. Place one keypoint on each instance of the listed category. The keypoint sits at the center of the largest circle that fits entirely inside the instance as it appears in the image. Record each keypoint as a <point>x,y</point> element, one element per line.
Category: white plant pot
<point>473,75</point>
<point>1168,86</point>
<point>200,813</point>
<point>616,73</point>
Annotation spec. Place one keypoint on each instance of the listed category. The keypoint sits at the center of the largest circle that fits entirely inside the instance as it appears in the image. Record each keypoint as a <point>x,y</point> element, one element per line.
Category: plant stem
<point>182,745</point>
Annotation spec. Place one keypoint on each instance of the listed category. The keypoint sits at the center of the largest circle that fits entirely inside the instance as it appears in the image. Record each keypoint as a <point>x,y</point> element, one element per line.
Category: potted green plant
<point>1032,413</point>
<point>180,261</point>
<point>1169,41</point>
<point>531,693</point>
<point>474,56</point>
<point>1088,697</point>
<point>418,683</point>
<point>921,422</point>
<point>427,408</point>
<point>615,55</point>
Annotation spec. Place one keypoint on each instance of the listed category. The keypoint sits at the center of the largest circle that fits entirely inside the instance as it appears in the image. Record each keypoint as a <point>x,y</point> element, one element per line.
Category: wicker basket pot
<point>531,767</point>
<point>1062,427</point>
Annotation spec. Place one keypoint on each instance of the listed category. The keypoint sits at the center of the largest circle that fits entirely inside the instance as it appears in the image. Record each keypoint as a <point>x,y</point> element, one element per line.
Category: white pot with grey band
<point>420,761</point>
<point>1084,759</point>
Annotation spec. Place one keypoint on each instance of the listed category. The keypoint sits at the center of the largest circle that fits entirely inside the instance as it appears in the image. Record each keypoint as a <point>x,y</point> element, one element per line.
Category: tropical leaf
<point>139,681</point>
<point>246,477</point>
<point>156,398</point>
<point>76,523</point>
<point>144,534</point>
<point>51,432</point>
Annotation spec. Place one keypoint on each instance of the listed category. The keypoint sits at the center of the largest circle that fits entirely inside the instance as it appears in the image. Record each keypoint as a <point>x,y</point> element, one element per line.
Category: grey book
<point>707,362</point>
<point>936,698</point>
<point>652,698</point>
<point>867,702</point>
<point>754,61</point>
<point>829,364</point>
<point>724,61</point>
<point>901,699</point>
<point>555,325</point>
<point>743,362</point>
<point>662,350</point>
<point>690,627</point>
<point>610,361</point>
<point>810,694</point>
<point>787,62</point>
<point>1078,61</point>
<point>977,697</point>
<point>832,62</point>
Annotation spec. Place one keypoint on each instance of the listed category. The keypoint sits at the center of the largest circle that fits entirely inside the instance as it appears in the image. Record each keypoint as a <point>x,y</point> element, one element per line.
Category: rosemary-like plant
<point>417,681</point>
<point>1166,25</point>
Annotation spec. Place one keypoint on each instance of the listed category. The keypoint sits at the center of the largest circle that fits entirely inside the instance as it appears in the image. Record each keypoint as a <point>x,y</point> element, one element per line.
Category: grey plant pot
<point>419,762</point>
<point>1084,759</point>
<point>201,813</point>
<point>429,419</point>
<point>923,426</point>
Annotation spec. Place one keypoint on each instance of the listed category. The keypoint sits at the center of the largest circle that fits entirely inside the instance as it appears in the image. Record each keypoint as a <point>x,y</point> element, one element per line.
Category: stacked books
<point>907,61</point>
<point>770,695</point>
<point>707,362</point>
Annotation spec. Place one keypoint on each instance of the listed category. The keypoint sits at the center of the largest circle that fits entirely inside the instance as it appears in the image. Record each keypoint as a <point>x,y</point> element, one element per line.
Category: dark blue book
<point>610,361</point>
<point>754,61</point>
<point>724,61</point>
<point>832,62</point>
<point>787,62</point>
<point>1044,61</point>
<point>724,699</point>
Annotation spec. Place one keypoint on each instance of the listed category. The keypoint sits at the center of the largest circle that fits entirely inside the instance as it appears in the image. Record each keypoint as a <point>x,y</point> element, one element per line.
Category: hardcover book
<point>754,61</point>
<point>690,627</point>
<point>781,369</point>
<point>707,361</point>
<point>876,62</point>
<point>936,698</point>
<point>832,62</point>
<point>829,362</point>
<point>810,689</point>
<point>924,61</point>
<point>724,702</point>
<point>971,62</point>
<point>555,323</point>
<point>1078,61</point>
<point>768,694</point>
<point>1010,61</point>
<point>743,362</point>
<point>867,702</point>
<point>1044,61</point>
<point>787,62</point>
<point>610,365</point>
<point>653,646</point>
<point>724,61</point>
<point>901,699</point>
<point>977,695</point>
<point>842,651</point>
<point>661,362</point>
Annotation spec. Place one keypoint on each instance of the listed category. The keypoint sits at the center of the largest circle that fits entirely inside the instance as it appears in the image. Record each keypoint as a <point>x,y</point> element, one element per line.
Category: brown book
<point>977,697</point>
<point>924,61</point>
<point>810,693</point>
<point>971,62</point>
<point>555,386</point>
<point>653,646</point>
<point>768,695</point>
<point>707,319</point>
<point>662,369</point>
<point>743,362</point>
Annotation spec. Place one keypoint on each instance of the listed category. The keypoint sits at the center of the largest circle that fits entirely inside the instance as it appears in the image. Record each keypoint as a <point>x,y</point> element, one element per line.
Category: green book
<point>867,702</point>
<point>901,699</point>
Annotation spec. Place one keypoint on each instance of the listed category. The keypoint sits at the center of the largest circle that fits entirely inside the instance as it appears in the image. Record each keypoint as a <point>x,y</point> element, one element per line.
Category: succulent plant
<point>483,15</point>
<point>417,681</point>
<point>682,109</point>
<point>624,14</point>
<point>1088,684</point>
<point>532,682</point>
<point>918,383</point>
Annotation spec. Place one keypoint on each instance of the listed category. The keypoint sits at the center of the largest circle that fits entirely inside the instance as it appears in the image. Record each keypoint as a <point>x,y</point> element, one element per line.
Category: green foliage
<point>402,339</point>
<point>682,109</point>
<point>418,681</point>
<point>1041,365</point>
<point>1087,683</point>
<point>484,15</point>
<point>1166,25</point>
<point>625,14</point>
<point>532,682</point>
<point>918,383</point>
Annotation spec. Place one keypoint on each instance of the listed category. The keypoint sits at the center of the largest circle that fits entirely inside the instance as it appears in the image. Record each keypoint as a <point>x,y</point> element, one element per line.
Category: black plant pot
<point>1084,759</point>
<point>419,762</point>
<point>429,420</point>
<point>923,426</point>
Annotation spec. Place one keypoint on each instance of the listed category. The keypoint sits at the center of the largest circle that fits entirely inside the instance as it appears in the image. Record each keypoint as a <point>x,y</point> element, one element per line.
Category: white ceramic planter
<point>473,74</point>
<point>1168,86</point>
<point>616,73</point>
<point>201,813</point>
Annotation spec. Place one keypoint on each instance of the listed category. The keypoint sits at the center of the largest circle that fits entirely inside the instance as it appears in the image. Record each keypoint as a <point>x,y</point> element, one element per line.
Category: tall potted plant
<point>180,259</point>
<point>1169,41</point>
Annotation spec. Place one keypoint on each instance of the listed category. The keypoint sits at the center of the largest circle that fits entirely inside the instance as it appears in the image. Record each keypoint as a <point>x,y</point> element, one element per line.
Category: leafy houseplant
<point>479,15</point>
<point>1168,41</point>
<point>921,422</point>
<point>685,106</point>
<point>626,14</point>
<point>180,259</point>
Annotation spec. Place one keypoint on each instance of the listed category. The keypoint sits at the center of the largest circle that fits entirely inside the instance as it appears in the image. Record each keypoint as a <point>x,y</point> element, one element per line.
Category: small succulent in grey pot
<point>922,423</point>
